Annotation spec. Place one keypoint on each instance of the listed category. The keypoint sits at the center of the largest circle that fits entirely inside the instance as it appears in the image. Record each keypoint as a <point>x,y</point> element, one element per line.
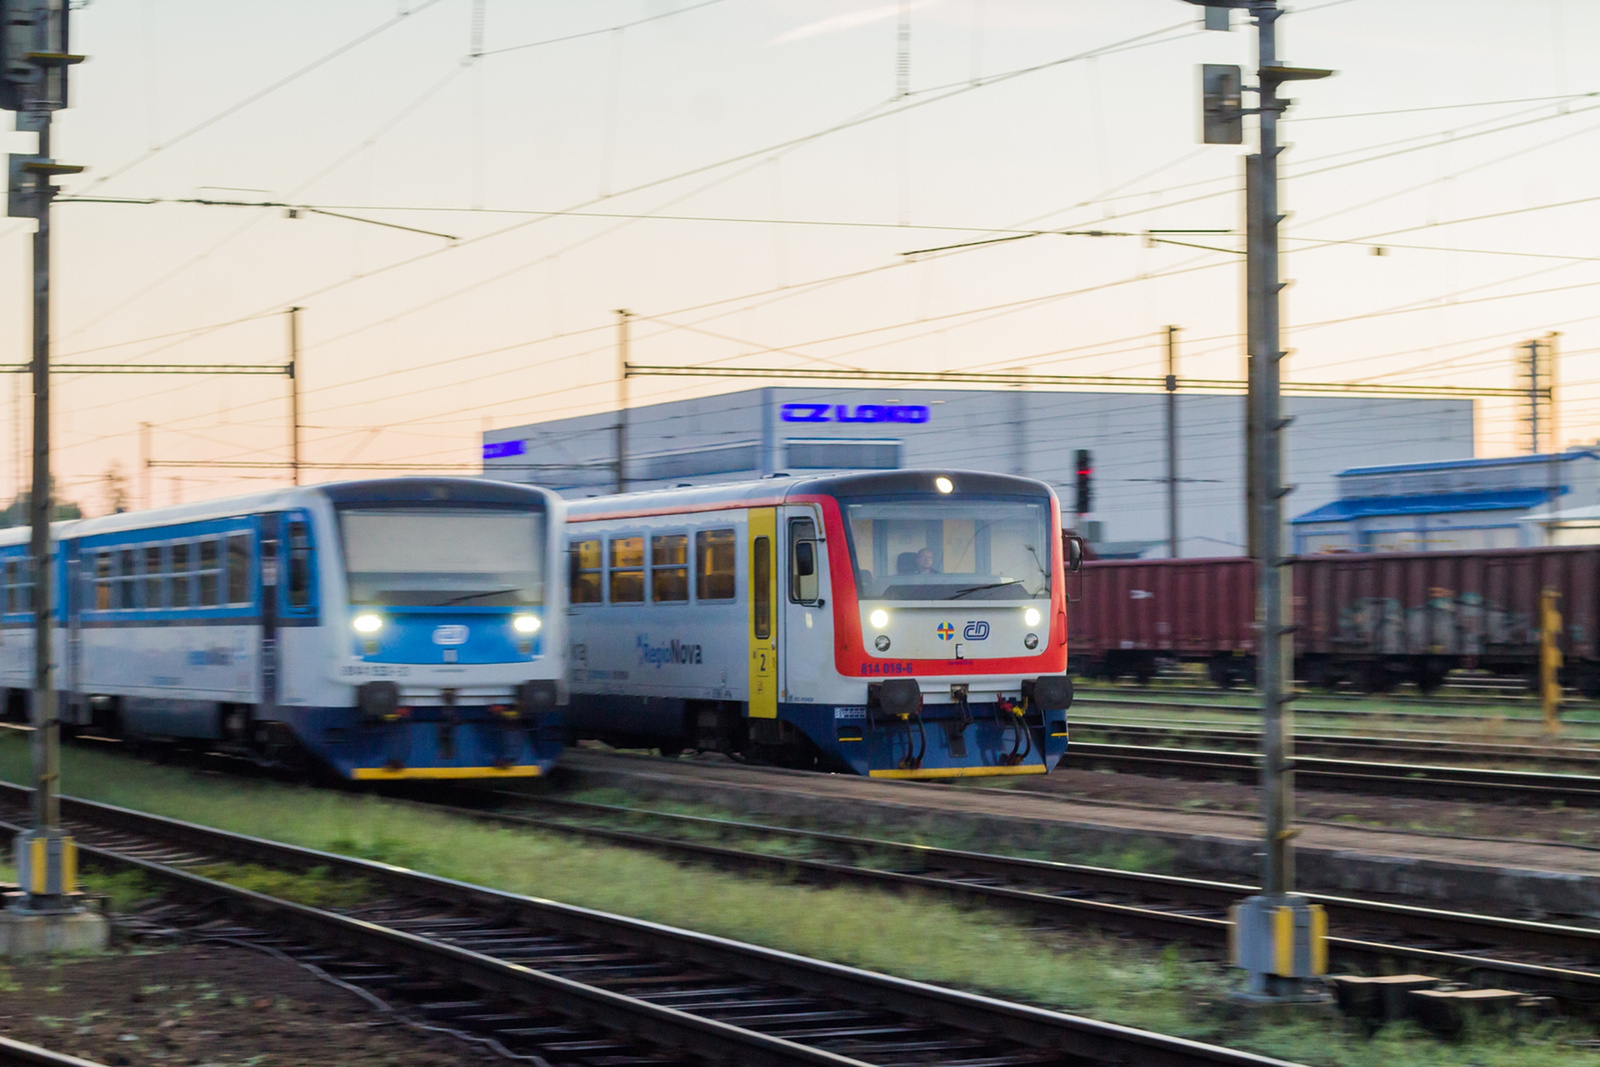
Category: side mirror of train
<point>1072,548</point>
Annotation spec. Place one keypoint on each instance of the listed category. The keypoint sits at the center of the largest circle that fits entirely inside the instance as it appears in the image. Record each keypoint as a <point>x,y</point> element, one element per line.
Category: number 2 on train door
<point>763,622</point>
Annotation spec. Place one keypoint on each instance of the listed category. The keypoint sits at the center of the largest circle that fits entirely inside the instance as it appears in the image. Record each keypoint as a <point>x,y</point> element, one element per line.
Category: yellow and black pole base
<point>47,870</point>
<point>1281,942</point>
<point>49,916</point>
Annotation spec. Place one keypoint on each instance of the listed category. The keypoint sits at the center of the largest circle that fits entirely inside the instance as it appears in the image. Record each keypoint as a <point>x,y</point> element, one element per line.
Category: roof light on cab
<point>943,484</point>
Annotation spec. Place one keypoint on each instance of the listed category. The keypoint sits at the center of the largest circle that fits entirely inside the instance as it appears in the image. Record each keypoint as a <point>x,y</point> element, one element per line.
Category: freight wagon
<point>1371,621</point>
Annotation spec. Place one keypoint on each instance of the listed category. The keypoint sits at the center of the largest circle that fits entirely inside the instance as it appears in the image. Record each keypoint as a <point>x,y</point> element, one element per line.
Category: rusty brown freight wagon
<point>1368,620</point>
<point>1134,613</point>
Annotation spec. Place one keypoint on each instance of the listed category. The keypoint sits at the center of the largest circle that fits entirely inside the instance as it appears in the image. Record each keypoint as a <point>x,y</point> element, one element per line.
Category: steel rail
<point>660,1025</point>
<point>1044,879</point>
<point>18,1054</point>
<point>1333,745</point>
<point>1070,1036</point>
<point>1465,716</point>
<point>1385,779</point>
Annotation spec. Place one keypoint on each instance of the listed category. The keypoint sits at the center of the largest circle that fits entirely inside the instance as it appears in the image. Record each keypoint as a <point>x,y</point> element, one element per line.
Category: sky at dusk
<point>747,176</point>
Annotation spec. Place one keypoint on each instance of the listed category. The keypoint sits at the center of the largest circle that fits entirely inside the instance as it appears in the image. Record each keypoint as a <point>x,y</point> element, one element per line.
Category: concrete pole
<point>46,726</point>
<point>1552,433</point>
<point>623,315</point>
<point>1275,664</point>
<point>294,392</point>
<point>144,464</point>
<point>1172,441</point>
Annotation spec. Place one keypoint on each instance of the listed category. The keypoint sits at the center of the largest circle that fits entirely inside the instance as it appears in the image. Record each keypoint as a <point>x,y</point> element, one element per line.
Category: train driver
<point>925,562</point>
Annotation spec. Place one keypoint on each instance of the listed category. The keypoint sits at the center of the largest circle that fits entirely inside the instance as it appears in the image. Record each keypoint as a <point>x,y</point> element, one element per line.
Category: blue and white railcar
<point>904,624</point>
<point>398,628</point>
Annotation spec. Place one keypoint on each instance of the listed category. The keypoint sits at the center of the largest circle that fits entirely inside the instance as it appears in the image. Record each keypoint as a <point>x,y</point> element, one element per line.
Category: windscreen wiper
<point>959,593</point>
<point>474,596</point>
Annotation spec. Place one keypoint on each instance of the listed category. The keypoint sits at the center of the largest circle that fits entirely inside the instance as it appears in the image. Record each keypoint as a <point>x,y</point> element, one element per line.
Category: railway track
<point>1514,694</point>
<point>1583,758</point>
<point>18,1054</point>
<point>1549,958</point>
<point>1532,720</point>
<point>1373,778</point>
<point>570,985</point>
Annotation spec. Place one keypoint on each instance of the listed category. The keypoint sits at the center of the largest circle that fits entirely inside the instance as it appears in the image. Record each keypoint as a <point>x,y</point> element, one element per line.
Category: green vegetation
<point>1173,990</point>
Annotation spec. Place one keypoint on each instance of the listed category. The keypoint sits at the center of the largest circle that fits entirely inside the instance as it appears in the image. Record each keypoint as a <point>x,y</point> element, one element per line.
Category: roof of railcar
<point>770,492</point>
<point>356,490</point>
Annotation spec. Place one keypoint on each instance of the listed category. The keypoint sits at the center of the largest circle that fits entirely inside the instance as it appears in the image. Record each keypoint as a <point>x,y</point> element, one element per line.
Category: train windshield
<point>438,557</point>
<point>967,549</point>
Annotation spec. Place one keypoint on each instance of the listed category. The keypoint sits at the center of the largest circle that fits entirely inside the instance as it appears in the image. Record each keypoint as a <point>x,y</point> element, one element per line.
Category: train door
<point>807,646</point>
<point>270,532</point>
<point>296,608</point>
<point>763,619</point>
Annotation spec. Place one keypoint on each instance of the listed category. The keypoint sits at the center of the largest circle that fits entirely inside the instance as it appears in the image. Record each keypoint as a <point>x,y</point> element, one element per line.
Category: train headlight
<point>526,624</point>
<point>367,623</point>
<point>943,484</point>
<point>879,619</point>
<point>1031,616</point>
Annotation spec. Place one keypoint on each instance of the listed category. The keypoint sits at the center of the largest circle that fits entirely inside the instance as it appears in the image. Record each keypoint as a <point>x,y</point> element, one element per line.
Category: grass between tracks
<point>1167,990</point>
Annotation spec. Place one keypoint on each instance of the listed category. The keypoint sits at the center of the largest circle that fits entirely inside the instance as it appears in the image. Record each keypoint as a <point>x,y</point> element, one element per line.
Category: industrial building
<point>774,431</point>
<point>1509,502</point>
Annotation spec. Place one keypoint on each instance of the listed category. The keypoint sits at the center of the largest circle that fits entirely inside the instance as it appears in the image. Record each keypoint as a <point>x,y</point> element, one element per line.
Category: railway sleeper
<point>1439,1006</point>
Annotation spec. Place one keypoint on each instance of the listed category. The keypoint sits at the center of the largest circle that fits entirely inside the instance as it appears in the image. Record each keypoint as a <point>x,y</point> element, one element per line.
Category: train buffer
<point>1436,1004</point>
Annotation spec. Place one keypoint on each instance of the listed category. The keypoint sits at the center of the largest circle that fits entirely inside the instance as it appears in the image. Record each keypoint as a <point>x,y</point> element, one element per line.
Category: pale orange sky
<point>414,343</point>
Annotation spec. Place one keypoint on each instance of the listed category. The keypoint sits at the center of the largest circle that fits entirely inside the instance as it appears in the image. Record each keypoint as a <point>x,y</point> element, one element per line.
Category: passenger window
<point>627,570</point>
<point>299,565</point>
<point>669,567</point>
<point>155,578</point>
<point>182,594</point>
<point>13,600</point>
<point>239,568</point>
<point>127,579</point>
<point>804,582</point>
<point>761,585</point>
<point>104,578</point>
<point>714,565</point>
<point>587,569</point>
<point>209,573</point>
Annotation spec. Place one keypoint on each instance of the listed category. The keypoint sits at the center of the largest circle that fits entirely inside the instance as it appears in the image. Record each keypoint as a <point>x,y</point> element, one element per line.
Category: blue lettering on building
<point>501,449</point>
<point>870,413</point>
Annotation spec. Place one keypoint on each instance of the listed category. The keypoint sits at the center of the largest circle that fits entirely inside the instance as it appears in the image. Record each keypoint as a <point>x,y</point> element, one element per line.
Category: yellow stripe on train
<point>372,774</point>
<point>958,772</point>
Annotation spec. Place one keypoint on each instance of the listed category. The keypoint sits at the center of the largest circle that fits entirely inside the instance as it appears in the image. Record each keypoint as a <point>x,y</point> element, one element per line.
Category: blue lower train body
<point>943,741</point>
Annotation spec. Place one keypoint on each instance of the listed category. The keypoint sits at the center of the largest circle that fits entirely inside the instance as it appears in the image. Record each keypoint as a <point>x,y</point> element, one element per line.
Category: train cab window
<point>761,585</point>
<point>104,579</point>
<point>714,565</point>
<point>155,578</point>
<point>669,567</point>
<point>182,567</point>
<point>587,572</point>
<point>299,539</point>
<point>627,570</point>
<point>127,579</point>
<point>209,571</point>
<point>804,582</point>
<point>238,568</point>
